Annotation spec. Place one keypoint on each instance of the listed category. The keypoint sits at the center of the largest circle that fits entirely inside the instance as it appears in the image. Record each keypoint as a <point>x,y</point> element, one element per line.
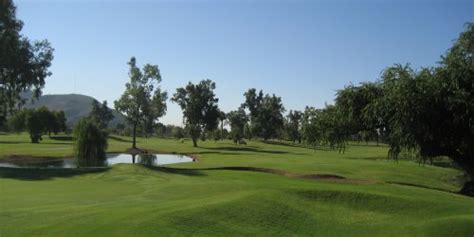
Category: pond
<point>112,159</point>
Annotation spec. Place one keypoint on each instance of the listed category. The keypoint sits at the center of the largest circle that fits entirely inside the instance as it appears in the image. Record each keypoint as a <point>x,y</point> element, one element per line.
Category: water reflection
<point>112,159</point>
<point>91,162</point>
<point>147,159</point>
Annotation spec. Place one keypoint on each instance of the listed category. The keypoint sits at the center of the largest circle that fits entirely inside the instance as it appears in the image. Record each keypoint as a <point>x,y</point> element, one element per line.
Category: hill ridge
<point>75,106</point>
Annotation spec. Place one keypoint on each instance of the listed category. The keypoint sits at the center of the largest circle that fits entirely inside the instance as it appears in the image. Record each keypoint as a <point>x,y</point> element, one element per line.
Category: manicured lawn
<point>258,189</point>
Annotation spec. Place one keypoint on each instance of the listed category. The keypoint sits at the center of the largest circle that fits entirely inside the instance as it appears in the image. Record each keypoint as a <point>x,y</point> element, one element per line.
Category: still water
<point>112,159</point>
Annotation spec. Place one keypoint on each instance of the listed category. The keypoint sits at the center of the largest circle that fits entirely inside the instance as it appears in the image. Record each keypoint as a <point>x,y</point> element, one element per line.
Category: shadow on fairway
<point>11,142</point>
<point>119,139</point>
<point>198,172</point>
<point>39,174</point>
<point>421,186</point>
<point>367,145</point>
<point>189,172</point>
<point>28,142</point>
<point>244,149</point>
<point>277,143</point>
<point>284,144</point>
<point>229,153</point>
<point>61,138</point>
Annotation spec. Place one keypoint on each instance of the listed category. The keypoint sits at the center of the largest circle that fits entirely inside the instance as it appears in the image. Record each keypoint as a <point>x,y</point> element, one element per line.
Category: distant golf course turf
<point>260,189</point>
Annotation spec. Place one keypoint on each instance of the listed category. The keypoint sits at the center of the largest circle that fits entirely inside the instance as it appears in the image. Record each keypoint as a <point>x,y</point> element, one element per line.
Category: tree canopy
<point>352,102</point>
<point>237,119</point>
<point>101,114</point>
<point>199,105</point>
<point>293,125</point>
<point>23,64</point>
<point>142,101</point>
<point>429,111</point>
<point>266,113</point>
<point>38,122</point>
<point>324,127</point>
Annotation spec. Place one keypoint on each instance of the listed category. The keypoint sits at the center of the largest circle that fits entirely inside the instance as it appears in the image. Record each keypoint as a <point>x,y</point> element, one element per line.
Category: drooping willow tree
<point>429,111</point>
<point>90,144</point>
<point>324,127</point>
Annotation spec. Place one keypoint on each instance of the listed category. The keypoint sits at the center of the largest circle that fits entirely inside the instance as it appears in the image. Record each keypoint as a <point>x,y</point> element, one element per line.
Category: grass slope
<point>258,189</point>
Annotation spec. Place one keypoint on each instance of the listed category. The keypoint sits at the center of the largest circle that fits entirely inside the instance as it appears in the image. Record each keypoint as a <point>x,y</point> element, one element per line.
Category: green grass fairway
<point>259,189</point>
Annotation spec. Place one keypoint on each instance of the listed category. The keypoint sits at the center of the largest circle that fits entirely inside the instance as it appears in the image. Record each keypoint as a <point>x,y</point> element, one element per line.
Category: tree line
<point>427,111</point>
<point>38,122</point>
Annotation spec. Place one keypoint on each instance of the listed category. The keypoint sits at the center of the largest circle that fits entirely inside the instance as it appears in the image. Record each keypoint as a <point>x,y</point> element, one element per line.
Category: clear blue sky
<point>302,51</point>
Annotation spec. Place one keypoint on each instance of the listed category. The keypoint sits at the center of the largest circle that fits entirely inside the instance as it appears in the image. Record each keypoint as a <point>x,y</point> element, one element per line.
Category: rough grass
<point>259,189</point>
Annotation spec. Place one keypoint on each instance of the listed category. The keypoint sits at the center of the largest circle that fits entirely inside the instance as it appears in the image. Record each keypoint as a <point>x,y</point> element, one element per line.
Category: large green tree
<point>142,100</point>
<point>322,127</point>
<point>237,120</point>
<point>266,113</point>
<point>352,102</point>
<point>23,64</point>
<point>60,122</point>
<point>430,111</point>
<point>310,132</point>
<point>101,114</point>
<point>154,110</point>
<point>293,125</point>
<point>37,122</point>
<point>56,122</point>
<point>199,105</point>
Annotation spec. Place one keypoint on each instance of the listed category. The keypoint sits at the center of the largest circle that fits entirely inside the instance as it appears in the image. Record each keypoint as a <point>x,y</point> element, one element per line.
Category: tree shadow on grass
<point>14,142</point>
<point>119,139</point>
<point>38,174</point>
<point>244,149</point>
<point>298,145</point>
<point>217,153</point>
<point>61,138</point>
<point>277,143</point>
<point>445,164</point>
<point>421,186</point>
<point>53,143</point>
<point>181,171</point>
<point>363,144</point>
<point>40,143</point>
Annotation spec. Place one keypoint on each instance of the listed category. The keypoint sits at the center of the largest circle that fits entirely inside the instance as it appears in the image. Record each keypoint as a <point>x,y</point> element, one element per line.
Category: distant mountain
<point>75,106</point>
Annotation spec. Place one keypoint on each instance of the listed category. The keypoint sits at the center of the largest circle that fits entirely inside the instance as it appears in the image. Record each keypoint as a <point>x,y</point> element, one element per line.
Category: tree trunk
<point>134,135</point>
<point>222,130</point>
<point>467,164</point>
<point>468,189</point>
<point>195,134</point>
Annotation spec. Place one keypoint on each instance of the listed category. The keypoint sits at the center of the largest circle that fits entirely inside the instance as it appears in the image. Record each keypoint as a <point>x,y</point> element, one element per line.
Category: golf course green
<point>264,188</point>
